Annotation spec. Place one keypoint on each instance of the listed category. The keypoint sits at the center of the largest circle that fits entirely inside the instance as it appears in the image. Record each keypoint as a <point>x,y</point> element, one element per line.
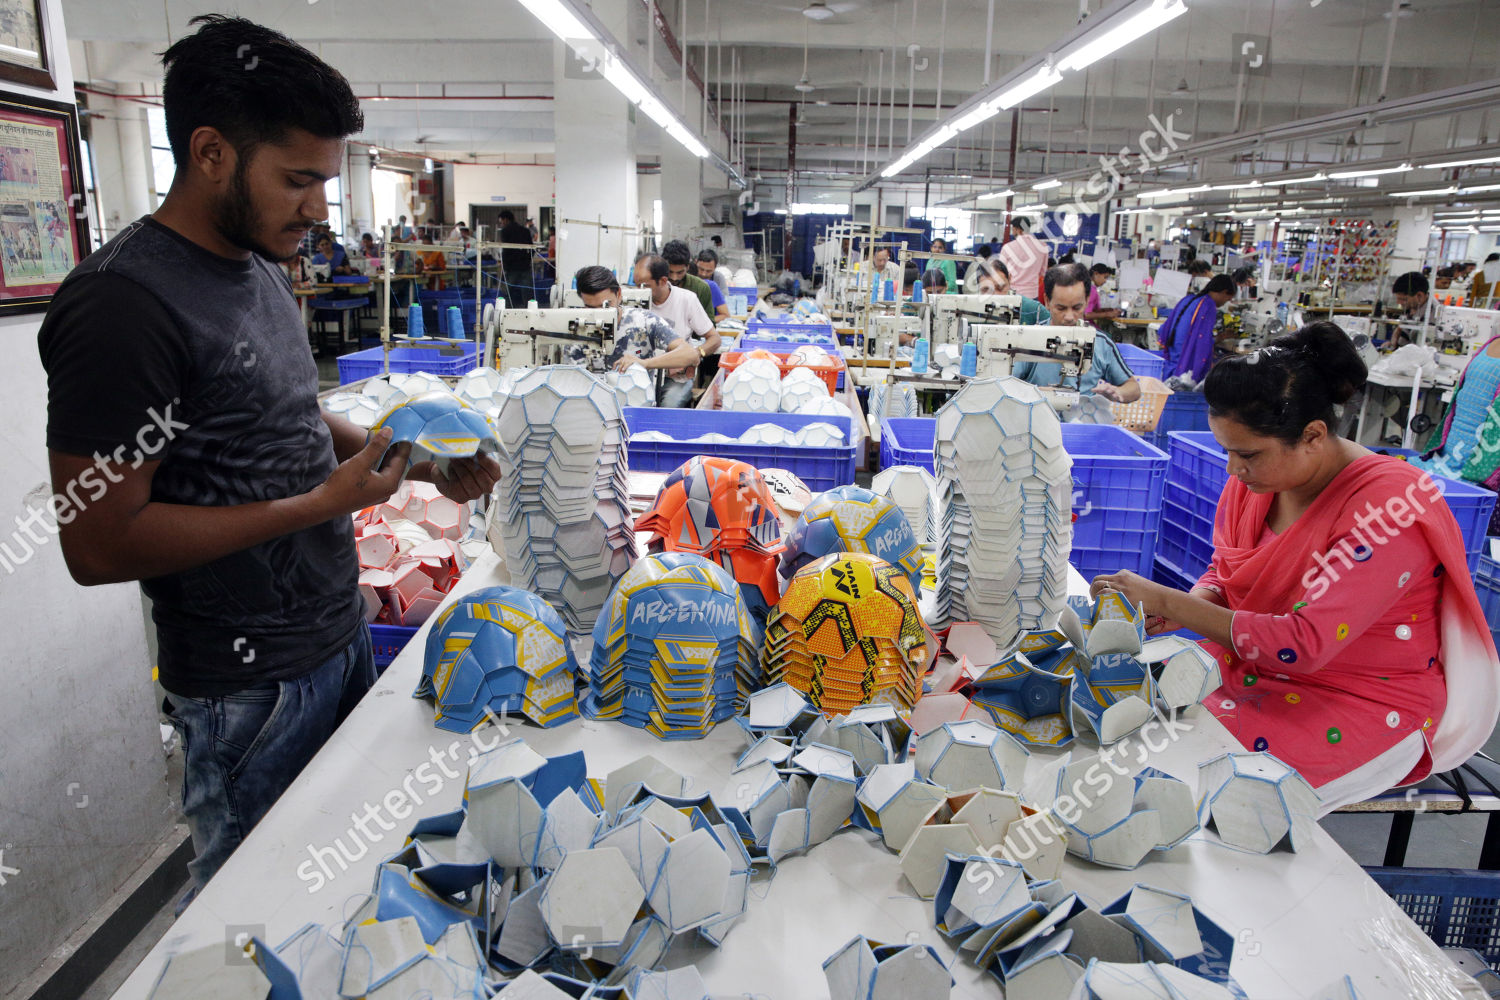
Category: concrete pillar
<point>681,189</point>
<point>1413,227</point>
<point>120,141</point>
<point>596,181</point>
<point>359,201</point>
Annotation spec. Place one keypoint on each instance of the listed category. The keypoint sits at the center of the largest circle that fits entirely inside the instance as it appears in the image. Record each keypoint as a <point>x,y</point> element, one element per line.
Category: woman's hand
<point>1142,594</point>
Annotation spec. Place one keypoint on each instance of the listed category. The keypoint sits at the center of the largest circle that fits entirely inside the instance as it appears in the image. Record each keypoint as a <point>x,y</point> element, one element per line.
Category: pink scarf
<point>1268,579</point>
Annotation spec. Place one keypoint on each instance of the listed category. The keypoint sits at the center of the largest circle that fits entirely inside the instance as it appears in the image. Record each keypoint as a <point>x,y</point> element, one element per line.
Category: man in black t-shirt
<point>186,445</point>
<point>515,263</point>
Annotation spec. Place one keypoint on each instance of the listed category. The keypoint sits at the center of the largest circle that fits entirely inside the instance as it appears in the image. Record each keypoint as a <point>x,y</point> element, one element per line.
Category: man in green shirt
<point>994,279</point>
<point>679,259</point>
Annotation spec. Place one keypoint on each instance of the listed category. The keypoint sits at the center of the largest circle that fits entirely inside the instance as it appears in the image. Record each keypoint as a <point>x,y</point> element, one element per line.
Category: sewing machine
<point>1002,345</point>
<point>953,316</point>
<point>530,337</point>
<point>630,295</point>
<point>886,331</point>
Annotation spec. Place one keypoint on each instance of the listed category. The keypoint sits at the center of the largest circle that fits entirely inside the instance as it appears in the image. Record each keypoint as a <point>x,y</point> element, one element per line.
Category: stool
<point>1471,787</point>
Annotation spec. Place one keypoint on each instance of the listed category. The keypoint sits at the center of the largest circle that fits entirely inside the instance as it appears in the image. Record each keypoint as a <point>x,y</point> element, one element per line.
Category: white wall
<point>85,797</point>
<point>527,185</point>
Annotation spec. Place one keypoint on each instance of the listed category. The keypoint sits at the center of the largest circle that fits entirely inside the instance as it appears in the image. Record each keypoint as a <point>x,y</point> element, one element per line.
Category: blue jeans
<point>242,750</point>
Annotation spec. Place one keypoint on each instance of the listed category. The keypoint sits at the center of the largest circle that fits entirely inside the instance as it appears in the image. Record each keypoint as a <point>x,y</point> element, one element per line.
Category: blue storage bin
<point>1117,498</point>
<point>449,359</point>
<point>1487,586</point>
<point>1198,465</point>
<point>1455,907</point>
<point>1183,411</point>
<point>907,441</point>
<point>748,342</point>
<point>820,468</point>
<point>386,641</point>
<point>802,331</point>
<point>1117,488</point>
<point>1143,362</point>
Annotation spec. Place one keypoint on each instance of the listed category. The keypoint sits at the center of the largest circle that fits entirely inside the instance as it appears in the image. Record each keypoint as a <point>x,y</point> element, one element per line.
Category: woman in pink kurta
<point>1339,603</point>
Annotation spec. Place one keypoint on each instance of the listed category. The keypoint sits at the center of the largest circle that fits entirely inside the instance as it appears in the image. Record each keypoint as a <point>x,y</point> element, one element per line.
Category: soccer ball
<point>416,383</point>
<point>483,388</point>
<point>634,386</point>
<point>440,427</point>
<point>799,387</point>
<point>753,390</point>
<point>847,633</point>
<point>499,649</point>
<point>383,390</point>
<point>769,434</point>
<point>853,519</point>
<point>788,489</point>
<point>810,354</point>
<point>356,407</point>
<point>825,406</point>
<point>820,435</point>
<point>722,509</point>
<point>673,649</point>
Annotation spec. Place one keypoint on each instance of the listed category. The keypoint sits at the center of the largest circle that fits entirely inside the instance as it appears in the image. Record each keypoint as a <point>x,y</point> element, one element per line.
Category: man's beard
<point>235,216</point>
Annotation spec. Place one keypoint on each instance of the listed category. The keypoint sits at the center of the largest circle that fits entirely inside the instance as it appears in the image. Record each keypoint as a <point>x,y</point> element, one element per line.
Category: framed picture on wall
<point>43,207</point>
<point>23,44</point>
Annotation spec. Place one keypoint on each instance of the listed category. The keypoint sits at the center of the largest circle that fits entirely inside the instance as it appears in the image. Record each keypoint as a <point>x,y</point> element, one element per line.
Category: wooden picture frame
<point>24,57</point>
<point>44,228</point>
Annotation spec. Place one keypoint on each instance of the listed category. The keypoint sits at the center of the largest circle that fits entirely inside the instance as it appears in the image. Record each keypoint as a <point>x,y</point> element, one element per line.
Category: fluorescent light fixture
<point>1344,175</point>
<point>1044,185</point>
<point>562,22</point>
<point>778,211</point>
<point>1042,207</point>
<point>1483,187</point>
<point>1423,194</point>
<point>1007,193</point>
<point>1121,32</point>
<point>1276,182</point>
<point>1173,192</point>
<point>819,208</point>
<point>1461,163</point>
<point>1044,77</point>
<point>689,141</point>
<point>978,116</point>
<point>1234,187</point>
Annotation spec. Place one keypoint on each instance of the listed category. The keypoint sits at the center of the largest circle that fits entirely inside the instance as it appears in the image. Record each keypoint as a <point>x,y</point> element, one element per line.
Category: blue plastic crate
<point>1117,498</point>
<point>1198,465</point>
<point>1117,488</point>
<point>1143,362</point>
<point>1183,411</point>
<point>1455,907</point>
<point>1169,574</point>
<point>752,343</point>
<point>749,291</point>
<point>1185,540</point>
<point>820,468</point>
<point>447,359</point>
<point>804,332</point>
<point>907,441</point>
<point>388,640</point>
<point>1487,586</point>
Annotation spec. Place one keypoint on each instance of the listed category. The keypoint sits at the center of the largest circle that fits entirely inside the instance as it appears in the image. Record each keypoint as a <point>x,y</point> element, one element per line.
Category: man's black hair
<point>1409,283</point>
<point>594,279</point>
<point>708,255</point>
<point>1199,266</point>
<point>1101,269</point>
<point>253,85</point>
<point>677,253</point>
<point>1244,274</point>
<point>506,215</point>
<point>1022,222</point>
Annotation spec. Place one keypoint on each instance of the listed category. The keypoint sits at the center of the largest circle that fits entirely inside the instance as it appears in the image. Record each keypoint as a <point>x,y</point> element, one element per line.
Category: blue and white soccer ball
<point>853,519</point>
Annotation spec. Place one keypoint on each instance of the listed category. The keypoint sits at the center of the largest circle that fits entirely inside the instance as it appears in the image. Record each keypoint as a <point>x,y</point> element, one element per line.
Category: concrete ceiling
<point>476,76</point>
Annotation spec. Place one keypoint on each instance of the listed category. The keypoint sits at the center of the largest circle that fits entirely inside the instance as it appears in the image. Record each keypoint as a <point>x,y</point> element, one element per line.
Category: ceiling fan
<point>1403,11</point>
<point>824,11</point>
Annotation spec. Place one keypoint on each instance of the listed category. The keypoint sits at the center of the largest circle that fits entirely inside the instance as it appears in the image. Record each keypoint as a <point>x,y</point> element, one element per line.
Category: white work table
<point>1301,920</point>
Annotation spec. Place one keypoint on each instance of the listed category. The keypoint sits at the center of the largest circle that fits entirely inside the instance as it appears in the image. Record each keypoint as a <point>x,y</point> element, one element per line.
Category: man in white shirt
<point>1025,257</point>
<point>682,311</point>
<point>887,269</point>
